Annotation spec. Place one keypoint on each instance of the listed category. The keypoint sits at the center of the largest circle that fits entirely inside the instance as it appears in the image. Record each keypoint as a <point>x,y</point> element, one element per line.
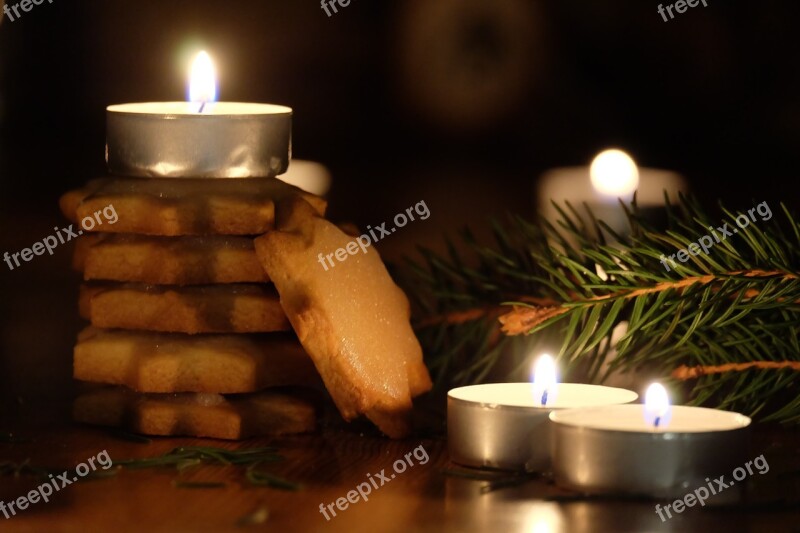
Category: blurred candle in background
<point>612,175</point>
<point>308,175</point>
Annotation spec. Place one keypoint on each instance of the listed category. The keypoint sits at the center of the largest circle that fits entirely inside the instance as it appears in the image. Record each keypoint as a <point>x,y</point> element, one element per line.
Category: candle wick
<point>657,421</point>
<point>544,397</point>
<point>202,106</point>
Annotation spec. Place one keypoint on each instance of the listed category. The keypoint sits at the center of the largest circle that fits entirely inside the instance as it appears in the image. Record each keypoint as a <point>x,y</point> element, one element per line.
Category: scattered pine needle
<point>181,459</point>
<point>257,517</point>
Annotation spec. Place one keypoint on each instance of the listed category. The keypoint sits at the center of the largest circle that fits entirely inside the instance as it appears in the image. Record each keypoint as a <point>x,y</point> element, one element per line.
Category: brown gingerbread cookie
<point>168,260</point>
<point>351,317</point>
<point>233,308</point>
<point>175,362</point>
<point>184,206</point>
<point>270,412</point>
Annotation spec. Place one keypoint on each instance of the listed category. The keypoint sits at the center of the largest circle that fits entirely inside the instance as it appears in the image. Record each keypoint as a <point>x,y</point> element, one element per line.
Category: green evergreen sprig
<point>725,322</point>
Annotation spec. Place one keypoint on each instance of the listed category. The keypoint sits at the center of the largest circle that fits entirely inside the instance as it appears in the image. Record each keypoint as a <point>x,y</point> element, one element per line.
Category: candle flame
<point>202,80</point>
<point>614,173</point>
<point>656,406</point>
<point>544,380</point>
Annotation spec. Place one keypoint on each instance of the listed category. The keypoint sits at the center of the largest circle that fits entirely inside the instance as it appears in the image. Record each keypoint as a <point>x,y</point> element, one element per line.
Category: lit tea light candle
<point>653,449</point>
<point>612,175</point>
<point>199,138</point>
<point>506,426</point>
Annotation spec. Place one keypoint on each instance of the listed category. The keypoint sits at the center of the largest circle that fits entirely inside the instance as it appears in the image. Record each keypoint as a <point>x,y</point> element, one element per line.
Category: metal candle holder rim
<point>488,405</point>
<point>268,109</point>
<point>169,140</point>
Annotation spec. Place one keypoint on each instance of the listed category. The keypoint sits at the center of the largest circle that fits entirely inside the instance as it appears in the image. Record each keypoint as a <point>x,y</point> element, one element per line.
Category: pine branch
<point>728,318</point>
<point>523,320</point>
<point>684,372</point>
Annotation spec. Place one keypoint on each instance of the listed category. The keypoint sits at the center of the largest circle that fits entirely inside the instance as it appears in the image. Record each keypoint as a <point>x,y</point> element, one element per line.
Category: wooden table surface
<point>332,463</point>
<point>38,330</point>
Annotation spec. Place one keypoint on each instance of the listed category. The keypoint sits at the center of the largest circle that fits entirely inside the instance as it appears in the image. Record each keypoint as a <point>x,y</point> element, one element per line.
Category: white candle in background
<point>613,174</point>
<point>308,175</point>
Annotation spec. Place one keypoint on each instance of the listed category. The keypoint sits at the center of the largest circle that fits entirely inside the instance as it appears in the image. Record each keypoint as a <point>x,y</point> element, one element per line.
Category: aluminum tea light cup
<point>619,449</point>
<point>172,140</point>
<point>200,138</point>
<point>506,425</point>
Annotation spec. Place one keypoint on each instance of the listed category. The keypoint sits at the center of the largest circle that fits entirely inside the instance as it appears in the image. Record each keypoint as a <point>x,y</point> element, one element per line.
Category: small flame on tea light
<point>544,380</point>
<point>656,406</point>
<point>614,173</point>
<point>202,81</point>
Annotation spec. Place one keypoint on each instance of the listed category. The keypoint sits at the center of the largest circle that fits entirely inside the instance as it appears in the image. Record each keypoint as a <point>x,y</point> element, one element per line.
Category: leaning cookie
<point>234,308</point>
<point>173,207</point>
<point>168,260</point>
<point>351,318</point>
<point>175,362</point>
<point>197,415</point>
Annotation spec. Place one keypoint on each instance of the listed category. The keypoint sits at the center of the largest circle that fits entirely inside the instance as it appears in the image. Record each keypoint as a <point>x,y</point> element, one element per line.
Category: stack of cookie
<point>187,333</point>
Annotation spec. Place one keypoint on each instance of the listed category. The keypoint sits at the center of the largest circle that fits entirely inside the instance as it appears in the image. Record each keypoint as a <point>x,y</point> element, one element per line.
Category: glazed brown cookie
<point>351,317</point>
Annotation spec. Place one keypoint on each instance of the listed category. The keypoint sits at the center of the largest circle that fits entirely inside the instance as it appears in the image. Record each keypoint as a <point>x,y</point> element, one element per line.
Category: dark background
<point>460,103</point>
<point>395,95</point>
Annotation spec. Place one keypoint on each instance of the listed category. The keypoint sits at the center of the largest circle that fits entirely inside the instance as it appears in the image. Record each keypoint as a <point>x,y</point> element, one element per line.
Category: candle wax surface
<point>563,396</point>
<point>630,418</point>
<point>211,109</point>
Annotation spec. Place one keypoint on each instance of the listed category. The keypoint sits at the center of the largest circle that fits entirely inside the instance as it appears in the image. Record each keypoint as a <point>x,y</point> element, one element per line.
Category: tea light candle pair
<point>591,437</point>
